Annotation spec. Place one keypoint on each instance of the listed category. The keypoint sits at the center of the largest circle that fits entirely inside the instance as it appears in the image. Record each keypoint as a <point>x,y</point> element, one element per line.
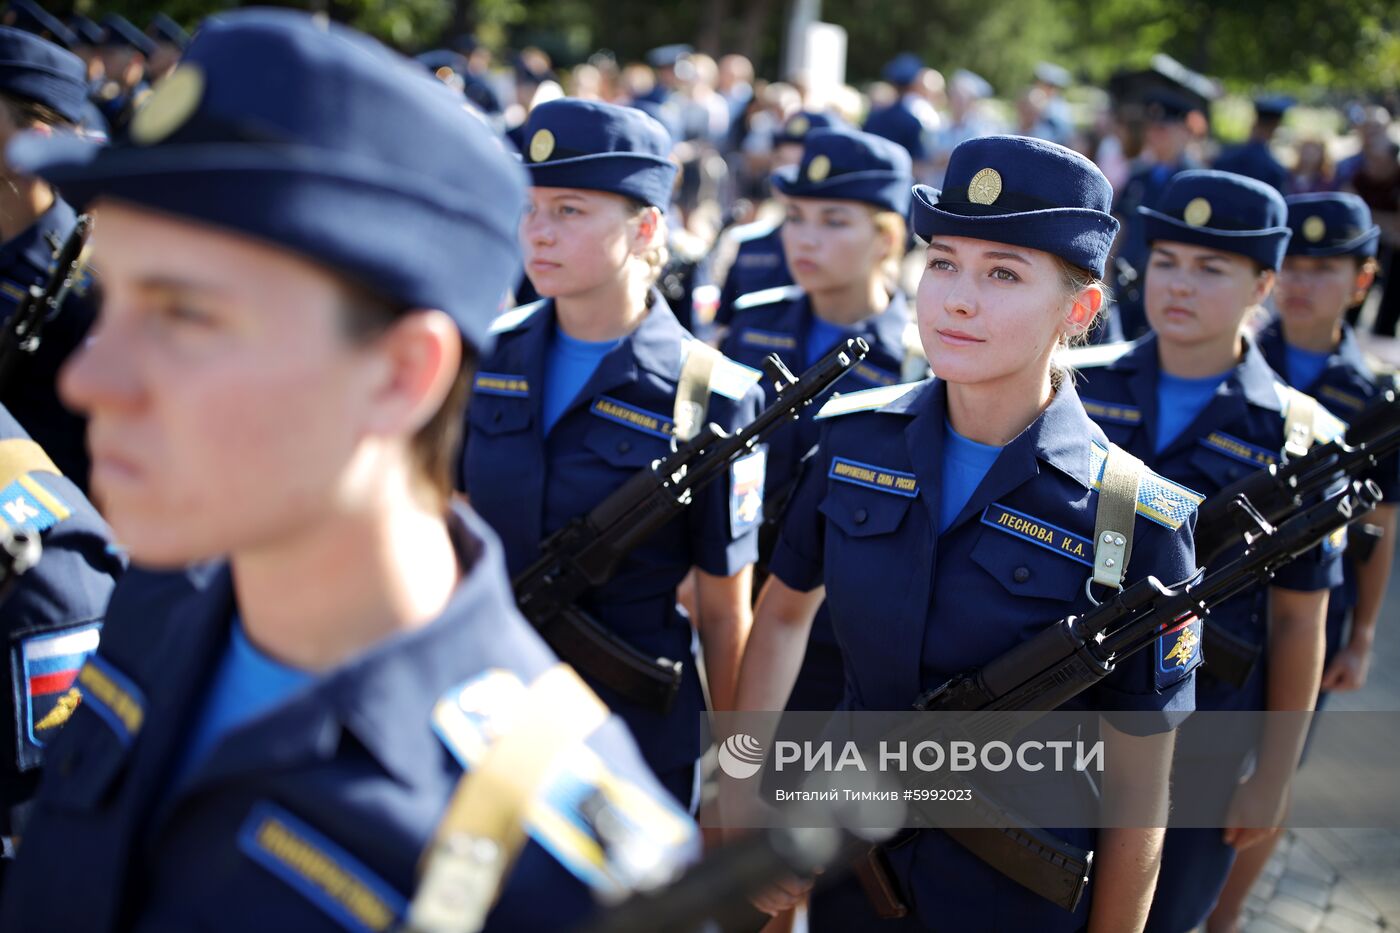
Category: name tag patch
<point>873,375</point>
<point>47,668</point>
<point>327,875</point>
<point>1345,399</point>
<point>113,696</point>
<point>746,479</point>
<point>635,418</point>
<point>501,384</point>
<point>1112,412</point>
<point>1042,534</point>
<point>874,477</point>
<point>1233,447</point>
<point>768,340</point>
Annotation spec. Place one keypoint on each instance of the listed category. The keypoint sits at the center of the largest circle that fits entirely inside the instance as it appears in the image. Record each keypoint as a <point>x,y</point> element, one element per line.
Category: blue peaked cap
<point>36,69</point>
<point>1024,192</point>
<point>572,143</point>
<point>1223,211</point>
<point>395,185</point>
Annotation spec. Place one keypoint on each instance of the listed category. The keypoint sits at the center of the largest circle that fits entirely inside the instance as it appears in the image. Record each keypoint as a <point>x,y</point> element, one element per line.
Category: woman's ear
<point>1365,277</point>
<point>1084,310</point>
<point>1264,285</point>
<point>648,223</point>
<point>423,350</point>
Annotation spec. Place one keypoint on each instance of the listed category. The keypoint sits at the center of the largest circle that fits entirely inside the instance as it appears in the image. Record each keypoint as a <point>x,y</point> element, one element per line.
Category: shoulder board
<point>1326,426</point>
<point>1159,499</point>
<point>468,718</point>
<point>26,504</point>
<point>767,296</point>
<point>1088,357</point>
<point>864,400</point>
<point>752,231</point>
<point>510,320</point>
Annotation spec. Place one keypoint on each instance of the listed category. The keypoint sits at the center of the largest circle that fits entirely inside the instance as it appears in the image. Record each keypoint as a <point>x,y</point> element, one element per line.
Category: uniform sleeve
<point>727,513</point>
<point>797,559</point>
<point>1154,690</point>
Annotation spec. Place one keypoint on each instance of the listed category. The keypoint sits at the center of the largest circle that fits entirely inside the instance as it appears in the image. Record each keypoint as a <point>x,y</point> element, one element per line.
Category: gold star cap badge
<point>1197,213</point>
<point>541,145</point>
<point>985,187</point>
<point>798,126</point>
<point>172,102</point>
<point>1314,229</point>
<point>818,168</point>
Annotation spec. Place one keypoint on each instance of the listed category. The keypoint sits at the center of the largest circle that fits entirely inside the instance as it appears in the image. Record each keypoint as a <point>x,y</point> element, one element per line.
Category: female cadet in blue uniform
<point>846,203</point>
<point>51,619</point>
<point>270,745</point>
<point>1196,400</point>
<point>916,504</point>
<point>1328,269</point>
<point>42,88</point>
<point>580,394</point>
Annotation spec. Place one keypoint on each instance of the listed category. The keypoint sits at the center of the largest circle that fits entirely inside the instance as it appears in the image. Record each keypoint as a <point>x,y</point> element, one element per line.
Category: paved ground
<point>1340,880</point>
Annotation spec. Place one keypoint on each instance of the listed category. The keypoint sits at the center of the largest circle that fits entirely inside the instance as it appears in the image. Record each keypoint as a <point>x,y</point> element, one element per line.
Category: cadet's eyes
<point>940,264</point>
<point>568,210</point>
<point>1003,274</point>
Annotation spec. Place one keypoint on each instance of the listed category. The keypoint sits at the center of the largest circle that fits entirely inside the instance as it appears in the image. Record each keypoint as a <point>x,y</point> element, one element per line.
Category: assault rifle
<point>586,552</point>
<point>1077,652</point>
<point>1278,491</point>
<point>1282,488</point>
<point>25,328</point>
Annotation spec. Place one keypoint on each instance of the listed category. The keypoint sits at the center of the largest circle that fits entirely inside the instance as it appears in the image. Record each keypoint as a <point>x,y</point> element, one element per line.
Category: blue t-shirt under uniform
<point>246,684</point>
<point>1305,367</point>
<point>822,336</point>
<point>1179,401</point>
<point>965,463</point>
<point>570,365</point>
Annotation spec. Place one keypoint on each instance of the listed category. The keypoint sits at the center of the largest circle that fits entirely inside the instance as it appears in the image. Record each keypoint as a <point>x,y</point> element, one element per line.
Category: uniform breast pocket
<point>492,415</point>
<point>1220,468</point>
<point>1028,570</point>
<point>862,516</point>
<point>627,449</point>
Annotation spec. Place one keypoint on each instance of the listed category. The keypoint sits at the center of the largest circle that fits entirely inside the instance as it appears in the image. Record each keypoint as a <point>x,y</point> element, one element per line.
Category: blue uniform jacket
<point>52,618</point>
<point>778,321</point>
<point>1254,160</point>
<point>32,392</point>
<point>900,124</point>
<point>760,263</point>
<point>911,607</point>
<point>527,485</point>
<point>1240,431</point>
<point>1347,385</point>
<point>314,815</point>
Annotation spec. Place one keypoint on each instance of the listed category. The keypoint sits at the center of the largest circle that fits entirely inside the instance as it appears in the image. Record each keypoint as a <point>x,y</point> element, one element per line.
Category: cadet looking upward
<point>1328,269</point>
<point>1196,400</point>
<point>269,743</point>
<point>846,202</point>
<point>580,394</point>
<point>926,499</point>
<point>43,89</point>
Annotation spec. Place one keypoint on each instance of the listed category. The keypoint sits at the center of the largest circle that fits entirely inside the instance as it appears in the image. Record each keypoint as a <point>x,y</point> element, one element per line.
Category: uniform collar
<point>1347,353</point>
<point>889,325</point>
<point>1255,378</point>
<point>33,243</point>
<point>382,699</point>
